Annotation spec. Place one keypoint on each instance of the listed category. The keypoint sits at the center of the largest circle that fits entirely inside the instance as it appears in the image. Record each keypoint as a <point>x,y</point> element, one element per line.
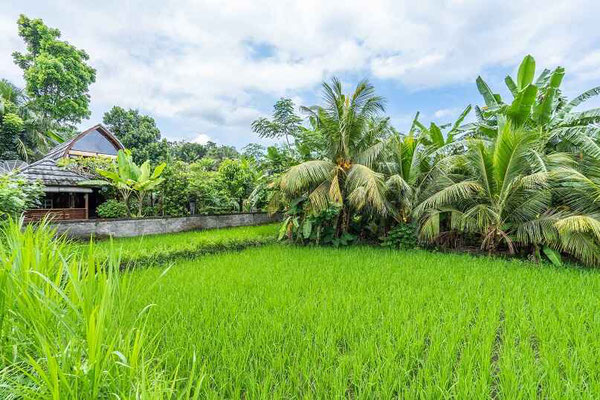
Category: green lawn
<point>280,321</point>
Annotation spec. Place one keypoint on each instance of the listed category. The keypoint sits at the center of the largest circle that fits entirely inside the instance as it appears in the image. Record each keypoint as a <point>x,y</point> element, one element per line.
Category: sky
<point>206,69</point>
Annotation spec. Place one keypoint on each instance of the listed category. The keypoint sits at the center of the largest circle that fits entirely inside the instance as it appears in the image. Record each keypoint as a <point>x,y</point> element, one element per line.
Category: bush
<point>151,211</point>
<point>403,236</point>
<point>17,195</point>
<point>112,209</point>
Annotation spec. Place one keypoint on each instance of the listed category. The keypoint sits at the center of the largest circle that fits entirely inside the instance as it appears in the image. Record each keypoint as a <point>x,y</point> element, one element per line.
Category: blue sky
<point>206,69</point>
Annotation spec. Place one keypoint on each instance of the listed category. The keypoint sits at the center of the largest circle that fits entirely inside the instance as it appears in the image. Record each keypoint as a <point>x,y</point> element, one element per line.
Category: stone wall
<point>150,226</point>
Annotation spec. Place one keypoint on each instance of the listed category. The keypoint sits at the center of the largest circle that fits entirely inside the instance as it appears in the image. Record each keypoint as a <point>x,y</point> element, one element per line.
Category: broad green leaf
<point>158,171</point>
<point>55,136</point>
<point>553,256</point>
<point>543,111</point>
<point>436,135</point>
<point>113,176</point>
<point>144,171</point>
<point>520,109</point>
<point>283,228</point>
<point>526,72</point>
<point>124,164</point>
<point>512,86</point>
<point>543,78</point>
<point>486,92</point>
<point>307,229</point>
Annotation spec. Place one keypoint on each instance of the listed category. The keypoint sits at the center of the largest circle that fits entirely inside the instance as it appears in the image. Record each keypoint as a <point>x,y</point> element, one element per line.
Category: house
<point>66,194</point>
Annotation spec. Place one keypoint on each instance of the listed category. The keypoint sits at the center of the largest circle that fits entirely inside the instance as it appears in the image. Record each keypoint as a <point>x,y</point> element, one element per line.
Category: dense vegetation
<point>522,178</point>
<point>319,322</point>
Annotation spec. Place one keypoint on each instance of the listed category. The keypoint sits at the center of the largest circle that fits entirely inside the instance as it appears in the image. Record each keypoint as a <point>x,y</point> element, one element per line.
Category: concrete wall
<point>150,226</point>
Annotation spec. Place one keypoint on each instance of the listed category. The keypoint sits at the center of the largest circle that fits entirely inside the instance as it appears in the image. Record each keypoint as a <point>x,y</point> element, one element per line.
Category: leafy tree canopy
<point>284,123</point>
<point>137,132</point>
<point>56,73</point>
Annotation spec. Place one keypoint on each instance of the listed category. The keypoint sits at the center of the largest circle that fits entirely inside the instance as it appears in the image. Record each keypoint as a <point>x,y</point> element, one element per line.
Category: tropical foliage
<point>521,177</point>
<point>56,73</point>
<point>129,178</point>
<point>17,195</point>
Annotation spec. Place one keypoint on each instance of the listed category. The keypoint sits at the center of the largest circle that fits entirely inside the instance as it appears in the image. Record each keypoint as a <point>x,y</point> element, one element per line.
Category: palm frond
<point>302,176</point>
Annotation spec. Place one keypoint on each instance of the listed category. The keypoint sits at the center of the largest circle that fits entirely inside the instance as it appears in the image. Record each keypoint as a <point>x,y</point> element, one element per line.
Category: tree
<point>285,122</point>
<point>187,151</point>
<point>24,134</point>
<point>205,187</point>
<point>503,191</point>
<point>129,178</point>
<point>539,104</point>
<point>56,73</point>
<point>174,190</point>
<point>136,131</point>
<point>220,153</point>
<point>238,178</point>
<point>345,176</point>
<point>254,151</point>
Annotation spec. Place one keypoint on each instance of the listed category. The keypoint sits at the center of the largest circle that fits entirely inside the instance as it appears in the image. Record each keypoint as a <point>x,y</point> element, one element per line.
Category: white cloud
<point>190,62</point>
<point>445,112</point>
<point>202,139</point>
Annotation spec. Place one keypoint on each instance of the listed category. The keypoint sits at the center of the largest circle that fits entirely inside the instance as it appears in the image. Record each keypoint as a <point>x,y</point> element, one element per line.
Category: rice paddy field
<point>157,249</point>
<point>279,321</point>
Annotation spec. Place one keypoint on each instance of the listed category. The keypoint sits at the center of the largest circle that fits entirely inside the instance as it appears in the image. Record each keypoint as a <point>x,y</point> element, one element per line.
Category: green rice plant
<point>61,323</point>
<point>163,248</point>
<point>367,322</point>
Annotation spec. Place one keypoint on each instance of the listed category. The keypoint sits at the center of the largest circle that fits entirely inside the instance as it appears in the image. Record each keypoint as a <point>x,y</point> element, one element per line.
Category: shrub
<point>17,195</point>
<point>151,211</point>
<point>112,209</point>
<point>403,236</point>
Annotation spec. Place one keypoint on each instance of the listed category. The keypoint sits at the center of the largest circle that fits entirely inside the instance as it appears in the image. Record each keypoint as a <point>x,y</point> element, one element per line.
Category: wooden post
<point>87,205</point>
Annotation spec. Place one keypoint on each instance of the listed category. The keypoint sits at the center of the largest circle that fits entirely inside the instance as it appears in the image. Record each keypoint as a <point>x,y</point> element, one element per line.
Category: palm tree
<point>354,139</point>
<point>503,190</point>
<point>25,131</point>
<point>411,159</point>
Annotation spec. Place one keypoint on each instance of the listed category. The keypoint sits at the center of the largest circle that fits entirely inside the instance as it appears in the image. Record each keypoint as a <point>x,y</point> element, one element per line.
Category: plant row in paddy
<point>365,322</point>
<point>160,249</point>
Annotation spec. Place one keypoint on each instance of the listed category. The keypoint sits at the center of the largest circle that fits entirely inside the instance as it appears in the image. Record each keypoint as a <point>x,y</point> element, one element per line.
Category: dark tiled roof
<point>50,174</point>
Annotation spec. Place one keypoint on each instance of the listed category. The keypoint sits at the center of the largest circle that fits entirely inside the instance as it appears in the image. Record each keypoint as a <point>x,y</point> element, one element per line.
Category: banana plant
<point>129,178</point>
<point>539,104</point>
<point>435,137</point>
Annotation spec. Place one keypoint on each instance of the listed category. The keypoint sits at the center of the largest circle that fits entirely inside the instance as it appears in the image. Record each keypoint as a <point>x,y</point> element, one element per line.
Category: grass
<point>163,248</point>
<point>289,322</point>
<point>280,321</point>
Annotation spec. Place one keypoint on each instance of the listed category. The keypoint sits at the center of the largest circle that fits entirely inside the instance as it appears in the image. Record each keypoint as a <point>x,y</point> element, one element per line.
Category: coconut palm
<point>354,141</point>
<point>411,159</point>
<point>503,190</point>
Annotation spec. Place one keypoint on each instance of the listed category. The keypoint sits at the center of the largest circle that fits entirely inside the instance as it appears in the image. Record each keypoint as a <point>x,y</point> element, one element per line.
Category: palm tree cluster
<point>522,177</point>
<point>24,133</point>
